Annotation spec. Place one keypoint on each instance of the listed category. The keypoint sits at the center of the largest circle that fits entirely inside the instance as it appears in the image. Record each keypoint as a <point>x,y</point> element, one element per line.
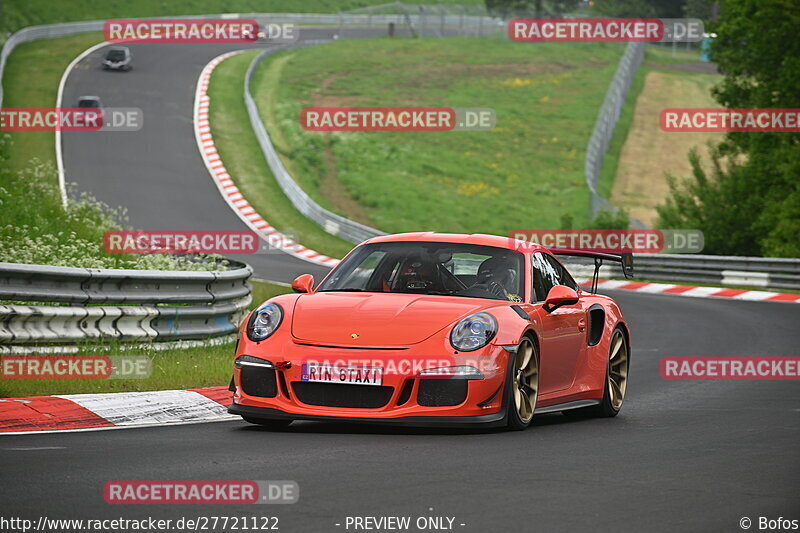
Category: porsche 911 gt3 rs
<point>437,330</point>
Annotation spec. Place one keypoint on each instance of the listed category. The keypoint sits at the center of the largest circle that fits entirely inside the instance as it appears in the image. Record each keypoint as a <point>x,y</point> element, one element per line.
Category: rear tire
<point>269,423</point>
<point>522,385</point>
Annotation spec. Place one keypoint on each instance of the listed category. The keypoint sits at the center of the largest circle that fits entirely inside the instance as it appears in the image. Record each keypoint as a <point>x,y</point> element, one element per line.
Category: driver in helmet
<point>417,274</point>
<point>498,275</point>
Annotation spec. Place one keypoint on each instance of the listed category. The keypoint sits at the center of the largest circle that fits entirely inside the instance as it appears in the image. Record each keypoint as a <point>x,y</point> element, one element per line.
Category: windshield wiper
<point>442,293</point>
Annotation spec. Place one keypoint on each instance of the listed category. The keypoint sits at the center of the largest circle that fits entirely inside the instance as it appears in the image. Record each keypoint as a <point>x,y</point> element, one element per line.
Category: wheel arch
<point>533,335</point>
<point>625,331</point>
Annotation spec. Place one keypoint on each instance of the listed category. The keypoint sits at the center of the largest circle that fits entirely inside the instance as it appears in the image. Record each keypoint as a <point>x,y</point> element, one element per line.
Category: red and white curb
<point>91,412</point>
<point>696,292</point>
<point>227,188</point>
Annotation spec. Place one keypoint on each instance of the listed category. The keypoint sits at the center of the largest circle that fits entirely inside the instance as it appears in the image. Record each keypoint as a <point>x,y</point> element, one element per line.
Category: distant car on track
<point>117,58</point>
<point>437,330</point>
<point>90,102</point>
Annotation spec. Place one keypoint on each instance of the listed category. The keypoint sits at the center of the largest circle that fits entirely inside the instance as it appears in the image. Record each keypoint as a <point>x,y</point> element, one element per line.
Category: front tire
<point>272,424</point>
<point>523,385</point>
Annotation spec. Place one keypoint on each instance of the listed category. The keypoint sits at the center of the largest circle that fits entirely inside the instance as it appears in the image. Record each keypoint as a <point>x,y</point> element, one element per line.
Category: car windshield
<point>89,102</point>
<point>115,55</point>
<point>439,268</point>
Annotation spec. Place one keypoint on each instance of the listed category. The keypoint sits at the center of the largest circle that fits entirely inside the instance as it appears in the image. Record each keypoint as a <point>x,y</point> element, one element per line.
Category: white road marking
<point>156,407</point>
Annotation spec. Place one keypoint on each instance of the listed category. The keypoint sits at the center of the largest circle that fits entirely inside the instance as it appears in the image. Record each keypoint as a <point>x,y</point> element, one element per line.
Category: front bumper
<point>404,397</point>
<point>488,420</point>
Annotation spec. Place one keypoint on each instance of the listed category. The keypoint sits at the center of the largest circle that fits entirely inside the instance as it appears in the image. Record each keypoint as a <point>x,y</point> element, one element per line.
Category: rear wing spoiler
<point>625,259</point>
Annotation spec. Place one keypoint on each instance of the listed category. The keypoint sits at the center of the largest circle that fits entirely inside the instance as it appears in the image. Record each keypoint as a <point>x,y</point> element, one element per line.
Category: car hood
<point>376,319</point>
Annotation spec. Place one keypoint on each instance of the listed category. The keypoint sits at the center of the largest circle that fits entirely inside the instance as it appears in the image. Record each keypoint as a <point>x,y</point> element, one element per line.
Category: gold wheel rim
<point>617,370</point>
<point>526,380</point>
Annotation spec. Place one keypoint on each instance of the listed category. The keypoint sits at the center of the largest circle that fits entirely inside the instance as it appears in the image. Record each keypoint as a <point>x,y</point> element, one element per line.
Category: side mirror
<point>559,295</point>
<point>303,284</point>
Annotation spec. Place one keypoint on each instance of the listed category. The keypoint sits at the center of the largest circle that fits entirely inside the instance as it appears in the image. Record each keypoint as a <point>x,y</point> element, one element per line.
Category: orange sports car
<point>438,330</point>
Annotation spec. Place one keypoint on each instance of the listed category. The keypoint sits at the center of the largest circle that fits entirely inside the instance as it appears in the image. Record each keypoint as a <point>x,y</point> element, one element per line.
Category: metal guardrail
<point>761,272</point>
<point>151,305</point>
<point>607,121</point>
<point>338,225</point>
<point>419,20</point>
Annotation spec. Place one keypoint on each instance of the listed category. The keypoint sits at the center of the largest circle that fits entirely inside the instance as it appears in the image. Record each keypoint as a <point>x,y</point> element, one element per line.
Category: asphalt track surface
<point>157,173</point>
<point>682,455</point>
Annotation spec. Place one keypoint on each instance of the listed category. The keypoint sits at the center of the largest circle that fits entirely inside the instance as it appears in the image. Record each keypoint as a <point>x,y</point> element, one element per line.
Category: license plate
<point>351,375</point>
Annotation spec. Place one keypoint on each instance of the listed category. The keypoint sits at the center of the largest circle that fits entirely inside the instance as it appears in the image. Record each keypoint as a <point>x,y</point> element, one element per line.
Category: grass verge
<point>174,368</point>
<point>526,173</point>
<point>241,153</point>
<point>34,225</point>
<point>31,79</point>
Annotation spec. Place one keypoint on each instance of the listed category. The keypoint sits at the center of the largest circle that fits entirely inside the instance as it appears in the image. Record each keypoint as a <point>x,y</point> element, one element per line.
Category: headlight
<point>264,321</point>
<point>249,360</point>
<point>473,332</point>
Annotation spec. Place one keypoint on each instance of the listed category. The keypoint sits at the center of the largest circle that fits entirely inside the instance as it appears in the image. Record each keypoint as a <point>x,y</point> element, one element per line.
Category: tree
<point>749,201</point>
<point>698,9</point>
<point>608,219</point>
<point>758,51</point>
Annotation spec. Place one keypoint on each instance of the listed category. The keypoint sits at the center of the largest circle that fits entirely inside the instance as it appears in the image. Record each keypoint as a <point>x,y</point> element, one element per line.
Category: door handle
<point>582,324</point>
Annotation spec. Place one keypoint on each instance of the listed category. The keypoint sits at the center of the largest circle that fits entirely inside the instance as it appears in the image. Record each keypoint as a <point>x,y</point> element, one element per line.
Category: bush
<point>743,208</point>
<point>607,219</point>
<point>36,228</point>
<point>748,201</point>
